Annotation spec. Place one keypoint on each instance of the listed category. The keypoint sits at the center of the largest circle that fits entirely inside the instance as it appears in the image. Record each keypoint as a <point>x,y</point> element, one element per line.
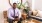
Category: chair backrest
<point>24,15</point>
<point>5,14</point>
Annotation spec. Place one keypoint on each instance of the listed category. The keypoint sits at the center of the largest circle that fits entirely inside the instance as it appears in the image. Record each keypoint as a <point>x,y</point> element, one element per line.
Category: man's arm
<point>10,3</point>
<point>19,14</point>
<point>9,15</point>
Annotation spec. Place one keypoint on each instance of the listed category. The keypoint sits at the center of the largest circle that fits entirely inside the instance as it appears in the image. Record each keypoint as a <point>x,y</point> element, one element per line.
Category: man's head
<point>14,5</point>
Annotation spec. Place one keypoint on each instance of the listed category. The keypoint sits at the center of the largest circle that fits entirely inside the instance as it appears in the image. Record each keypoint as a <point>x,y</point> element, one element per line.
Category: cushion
<point>35,12</point>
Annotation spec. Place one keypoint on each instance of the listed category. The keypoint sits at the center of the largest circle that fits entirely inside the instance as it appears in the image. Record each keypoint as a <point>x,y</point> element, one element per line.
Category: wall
<point>38,4</point>
<point>3,6</point>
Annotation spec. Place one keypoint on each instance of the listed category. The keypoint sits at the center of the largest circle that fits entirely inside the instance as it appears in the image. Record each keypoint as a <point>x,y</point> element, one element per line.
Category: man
<point>14,13</point>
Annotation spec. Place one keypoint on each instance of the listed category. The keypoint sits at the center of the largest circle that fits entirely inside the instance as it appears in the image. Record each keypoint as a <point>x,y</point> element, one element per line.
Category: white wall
<point>38,4</point>
<point>33,3</point>
<point>3,6</point>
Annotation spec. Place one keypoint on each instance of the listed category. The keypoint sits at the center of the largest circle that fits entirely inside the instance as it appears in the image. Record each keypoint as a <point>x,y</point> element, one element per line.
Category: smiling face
<point>14,5</point>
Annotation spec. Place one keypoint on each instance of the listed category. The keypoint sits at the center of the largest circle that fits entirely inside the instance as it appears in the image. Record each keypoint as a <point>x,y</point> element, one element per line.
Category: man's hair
<point>14,3</point>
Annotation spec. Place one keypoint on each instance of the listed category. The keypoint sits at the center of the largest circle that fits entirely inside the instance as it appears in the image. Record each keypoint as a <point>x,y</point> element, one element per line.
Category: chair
<point>5,16</point>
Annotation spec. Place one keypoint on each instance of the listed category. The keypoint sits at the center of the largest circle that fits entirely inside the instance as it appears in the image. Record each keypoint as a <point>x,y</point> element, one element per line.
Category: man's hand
<point>16,19</point>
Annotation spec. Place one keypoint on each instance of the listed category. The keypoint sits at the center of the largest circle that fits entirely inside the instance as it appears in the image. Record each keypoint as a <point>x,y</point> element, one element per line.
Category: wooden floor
<point>25,21</point>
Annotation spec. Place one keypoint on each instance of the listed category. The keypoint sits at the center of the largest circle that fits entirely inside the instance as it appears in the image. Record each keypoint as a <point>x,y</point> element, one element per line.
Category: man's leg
<point>19,20</point>
<point>10,20</point>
